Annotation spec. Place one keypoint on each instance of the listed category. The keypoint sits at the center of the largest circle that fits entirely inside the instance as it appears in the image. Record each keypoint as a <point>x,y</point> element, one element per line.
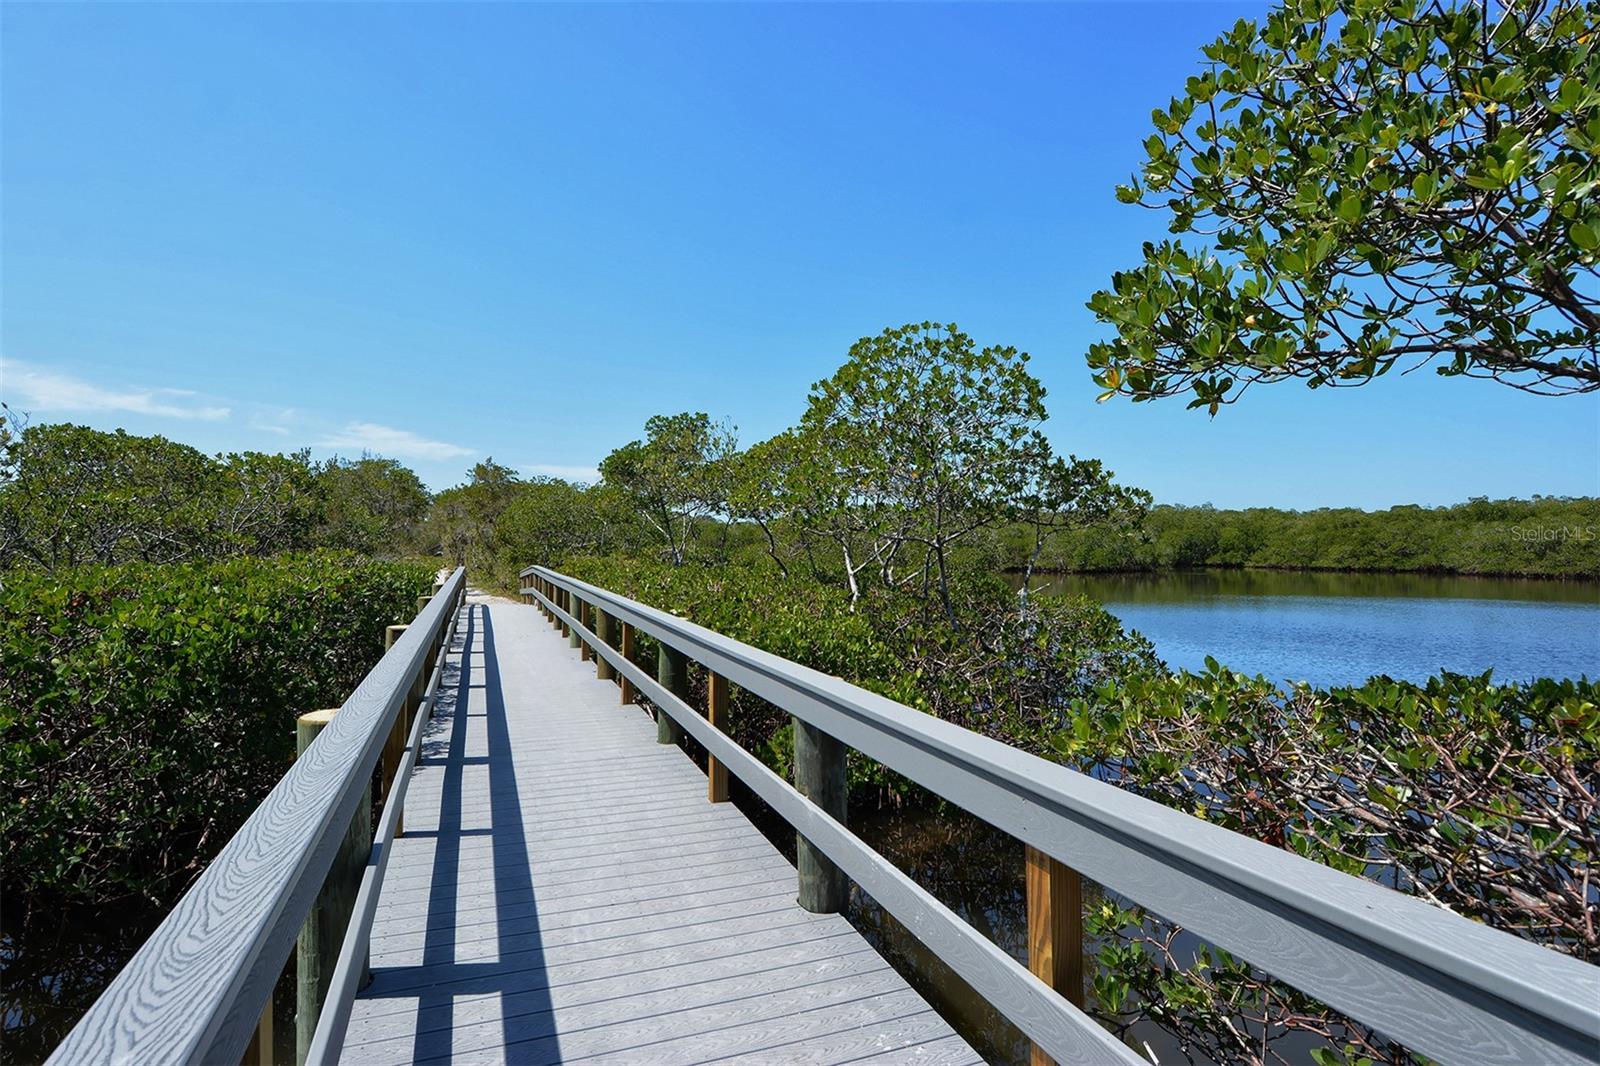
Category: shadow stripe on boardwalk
<point>569,894</point>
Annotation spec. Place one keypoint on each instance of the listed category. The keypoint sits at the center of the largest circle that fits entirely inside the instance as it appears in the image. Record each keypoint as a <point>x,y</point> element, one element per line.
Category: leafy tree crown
<point>1375,183</point>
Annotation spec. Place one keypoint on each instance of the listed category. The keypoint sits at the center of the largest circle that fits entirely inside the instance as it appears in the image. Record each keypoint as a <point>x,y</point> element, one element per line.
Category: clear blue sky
<point>443,232</point>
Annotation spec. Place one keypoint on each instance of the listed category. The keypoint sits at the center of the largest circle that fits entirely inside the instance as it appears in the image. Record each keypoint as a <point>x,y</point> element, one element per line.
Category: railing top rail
<point>1441,984</point>
<point>194,991</point>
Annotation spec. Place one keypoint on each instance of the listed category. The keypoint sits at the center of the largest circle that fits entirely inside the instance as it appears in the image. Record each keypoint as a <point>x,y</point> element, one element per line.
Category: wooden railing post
<point>717,715</point>
<point>819,775</point>
<point>575,609</point>
<point>317,952</point>
<point>259,1051</point>
<point>672,672</point>
<point>586,627</point>
<point>1055,930</point>
<point>603,635</point>
<point>422,601</point>
<point>629,694</point>
<point>565,599</point>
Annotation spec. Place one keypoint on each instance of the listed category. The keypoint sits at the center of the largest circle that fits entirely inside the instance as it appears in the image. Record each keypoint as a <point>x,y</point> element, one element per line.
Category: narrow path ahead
<point>564,893</point>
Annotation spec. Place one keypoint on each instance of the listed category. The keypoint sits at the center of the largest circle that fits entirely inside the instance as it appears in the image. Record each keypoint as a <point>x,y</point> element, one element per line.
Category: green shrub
<point>1011,670</point>
<point>800,620</point>
<point>1480,798</point>
<point>145,710</point>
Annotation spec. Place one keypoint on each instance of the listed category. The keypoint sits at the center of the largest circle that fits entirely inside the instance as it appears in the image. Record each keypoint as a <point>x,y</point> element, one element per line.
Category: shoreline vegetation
<point>1585,576</point>
<point>1541,537</point>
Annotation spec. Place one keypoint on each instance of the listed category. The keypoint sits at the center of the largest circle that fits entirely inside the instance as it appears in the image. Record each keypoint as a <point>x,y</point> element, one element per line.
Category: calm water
<point>1333,629</point>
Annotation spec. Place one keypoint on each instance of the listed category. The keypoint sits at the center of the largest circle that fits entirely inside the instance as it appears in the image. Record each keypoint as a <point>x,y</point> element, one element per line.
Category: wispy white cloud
<point>582,474</point>
<point>276,421</point>
<point>30,388</point>
<point>391,442</point>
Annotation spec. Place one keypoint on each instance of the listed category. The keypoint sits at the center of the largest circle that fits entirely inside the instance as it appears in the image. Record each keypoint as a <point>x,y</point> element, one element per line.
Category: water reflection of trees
<point>1184,586</point>
<point>976,871</point>
<point>53,965</point>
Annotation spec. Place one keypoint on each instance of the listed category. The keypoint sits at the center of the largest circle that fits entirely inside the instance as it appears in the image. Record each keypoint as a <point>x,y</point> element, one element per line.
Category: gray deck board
<point>564,893</point>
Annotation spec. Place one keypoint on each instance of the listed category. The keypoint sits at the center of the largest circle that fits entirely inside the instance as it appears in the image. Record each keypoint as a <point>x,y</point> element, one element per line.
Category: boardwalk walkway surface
<point>563,893</point>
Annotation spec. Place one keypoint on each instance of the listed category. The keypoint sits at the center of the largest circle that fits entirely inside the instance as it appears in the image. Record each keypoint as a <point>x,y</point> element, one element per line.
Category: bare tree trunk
<point>1033,559</point>
<point>944,583</point>
<point>772,546</point>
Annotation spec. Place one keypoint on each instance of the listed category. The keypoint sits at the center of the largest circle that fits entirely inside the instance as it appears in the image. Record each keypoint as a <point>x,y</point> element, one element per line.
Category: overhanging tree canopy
<point>1383,183</point>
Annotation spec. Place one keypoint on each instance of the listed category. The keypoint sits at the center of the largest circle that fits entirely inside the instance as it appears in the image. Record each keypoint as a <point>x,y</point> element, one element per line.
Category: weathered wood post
<point>317,952</point>
<point>819,776</point>
<point>565,599</point>
<point>672,672</point>
<point>422,601</point>
<point>1055,930</point>
<point>604,634</point>
<point>586,623</point>
<point>575,609</point>
<point>717,715</point>
<point>629,693</point>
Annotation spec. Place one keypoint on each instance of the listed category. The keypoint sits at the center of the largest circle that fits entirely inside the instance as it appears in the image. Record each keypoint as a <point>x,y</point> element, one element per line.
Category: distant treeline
<point>73,496</point>
<point>1546,536</point>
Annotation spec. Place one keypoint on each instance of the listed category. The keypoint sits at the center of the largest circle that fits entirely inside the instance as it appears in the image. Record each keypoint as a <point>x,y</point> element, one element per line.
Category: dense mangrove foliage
<point>147,709</point>
<point>1542,537</point>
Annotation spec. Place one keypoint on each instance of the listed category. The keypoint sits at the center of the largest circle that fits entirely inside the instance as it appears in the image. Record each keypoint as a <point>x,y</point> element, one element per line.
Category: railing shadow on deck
<point>518,975</point>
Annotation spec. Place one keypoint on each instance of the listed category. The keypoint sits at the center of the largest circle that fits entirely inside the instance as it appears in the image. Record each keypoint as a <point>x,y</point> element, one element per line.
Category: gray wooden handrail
<point>193,993</point>
<point>1440,984</point>
<point>328,1039</point>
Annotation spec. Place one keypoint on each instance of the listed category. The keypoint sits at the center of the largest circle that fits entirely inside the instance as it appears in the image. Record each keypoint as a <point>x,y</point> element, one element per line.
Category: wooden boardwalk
<point>564,892</point>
